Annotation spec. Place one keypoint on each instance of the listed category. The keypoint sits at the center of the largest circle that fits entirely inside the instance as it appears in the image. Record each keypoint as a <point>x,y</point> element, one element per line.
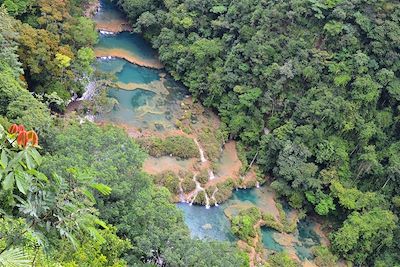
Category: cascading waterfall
<point>211,175</point>
<point>89,92</point>
<point>181,194</point>
<point>207,200</point>
<point>196,192</point>
<point>107,32</point>
<point>202,158</point>
<point>257,184</point>
<point>213,197</point>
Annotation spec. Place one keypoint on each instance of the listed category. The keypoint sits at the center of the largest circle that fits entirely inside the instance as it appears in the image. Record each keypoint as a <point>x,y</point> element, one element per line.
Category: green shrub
<point>281,259</point>
<point>243,223</point>
<point>324,257</point>
<point>271,222</point>
<point>202,177</point>
<point>224,190</point>
<point>177,146</point>
<point>200,198</point>
<point>188,185</point>
<point>168,179</point>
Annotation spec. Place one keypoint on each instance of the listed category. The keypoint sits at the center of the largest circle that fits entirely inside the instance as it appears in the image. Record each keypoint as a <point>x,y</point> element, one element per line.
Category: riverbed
<point>150,101</point>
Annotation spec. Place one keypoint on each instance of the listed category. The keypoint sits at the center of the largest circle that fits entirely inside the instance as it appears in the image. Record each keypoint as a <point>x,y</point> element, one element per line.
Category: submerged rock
<point>207,226</point>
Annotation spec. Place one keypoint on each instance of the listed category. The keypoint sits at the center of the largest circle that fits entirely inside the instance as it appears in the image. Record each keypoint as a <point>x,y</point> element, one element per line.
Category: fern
<point>14,257</point>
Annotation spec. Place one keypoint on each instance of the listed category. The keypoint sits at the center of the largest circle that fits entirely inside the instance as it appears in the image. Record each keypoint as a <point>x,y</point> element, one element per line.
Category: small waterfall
<point>258,184</point>
<point>211,175</point>
<point>213,197</point>
<point>106,58</point>
<point>181,194</point>
<point>207,200</point>
<point>202,158</point>
<point>89,92</point>
<point>106,32</point>
<point>194,197</point>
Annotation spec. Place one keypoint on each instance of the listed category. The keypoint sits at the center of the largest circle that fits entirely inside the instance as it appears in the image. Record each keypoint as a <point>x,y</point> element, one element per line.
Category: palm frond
<point>14,257</point>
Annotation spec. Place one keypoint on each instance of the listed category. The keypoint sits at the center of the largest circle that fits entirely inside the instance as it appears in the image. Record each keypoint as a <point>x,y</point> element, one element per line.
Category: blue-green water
<point>127,72</point>
<point>207,223</point>
<point>131,42</point>
<point>132,99</point>
<point>198,216</point>
<point>268,239</point>
<point>108,12</point>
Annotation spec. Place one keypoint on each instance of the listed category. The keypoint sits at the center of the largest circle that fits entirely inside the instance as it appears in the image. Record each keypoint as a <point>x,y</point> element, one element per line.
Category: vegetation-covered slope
<point>312,87</point>
<point>71,194</point>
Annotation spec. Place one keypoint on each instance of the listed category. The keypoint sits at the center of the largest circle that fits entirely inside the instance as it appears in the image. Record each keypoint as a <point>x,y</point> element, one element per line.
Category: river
<point>150,100</point>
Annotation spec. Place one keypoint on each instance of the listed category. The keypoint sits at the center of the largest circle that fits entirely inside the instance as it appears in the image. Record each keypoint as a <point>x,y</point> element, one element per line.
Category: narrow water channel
<point>149,99</point>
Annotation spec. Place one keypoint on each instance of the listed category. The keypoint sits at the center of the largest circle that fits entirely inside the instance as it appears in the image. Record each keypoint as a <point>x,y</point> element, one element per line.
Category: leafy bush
<point>202,177</point>
<point>324,257</point>
<point>281,259</point>
<point>168,179</point>
<point>188,185</point>
<point>243,223</point>
<point>177,146</point>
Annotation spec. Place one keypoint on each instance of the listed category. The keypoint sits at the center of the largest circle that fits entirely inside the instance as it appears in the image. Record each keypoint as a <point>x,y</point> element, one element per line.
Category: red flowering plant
<point>19,158</point>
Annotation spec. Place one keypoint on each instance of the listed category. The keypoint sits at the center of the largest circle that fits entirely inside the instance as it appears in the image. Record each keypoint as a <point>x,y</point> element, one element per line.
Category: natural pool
<point>197,216</point>
<point>132,43</point>
<point>152,97</point>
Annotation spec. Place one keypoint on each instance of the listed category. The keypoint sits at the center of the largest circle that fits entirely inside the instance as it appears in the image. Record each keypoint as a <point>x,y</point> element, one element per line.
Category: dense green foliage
<point>243,225</point>
<point>140,211</point>
<point>56,210</point>
<point>40,214</point>
<point>281,259</point>
<point>311,86</point>
<point>54,46</point>
<point>177,146</point>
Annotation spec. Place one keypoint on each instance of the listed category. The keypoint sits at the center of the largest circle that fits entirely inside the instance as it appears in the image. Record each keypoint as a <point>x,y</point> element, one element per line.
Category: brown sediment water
<point>121,53</point>
<point>159,165</point>
<point>323,236</point>
<point>115,26</point>
<point>230,163</point>
<point>308,263</point>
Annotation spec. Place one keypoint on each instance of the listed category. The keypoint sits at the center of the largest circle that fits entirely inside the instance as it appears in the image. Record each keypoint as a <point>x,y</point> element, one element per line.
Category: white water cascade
<point>211,175</point>
<point>207,200</point>
<point>181,194</point>
<point>89,92</point>
<point>202,157</point>
<point>258,184</point>
<point>106,32</point>
<point>213,197</point>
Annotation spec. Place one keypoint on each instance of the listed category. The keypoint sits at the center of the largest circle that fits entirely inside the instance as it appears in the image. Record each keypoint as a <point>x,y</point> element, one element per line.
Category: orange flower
<point>22,138</point>
<point>13,129</point>
<point>21,128</point>
<point>33,138</point>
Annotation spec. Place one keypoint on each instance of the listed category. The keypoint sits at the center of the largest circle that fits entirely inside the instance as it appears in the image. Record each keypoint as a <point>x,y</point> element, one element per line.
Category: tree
<point>364,235</point>
<point>45,210</point>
